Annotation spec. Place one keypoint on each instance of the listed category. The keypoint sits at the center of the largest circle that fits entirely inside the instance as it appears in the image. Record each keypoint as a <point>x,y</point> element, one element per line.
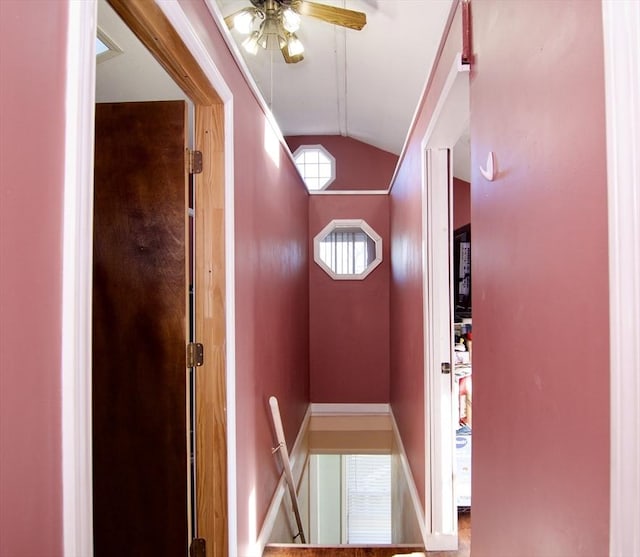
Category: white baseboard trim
<point>350,192</point>
<point>298,456</point>
<point>330,409</point>
<point>413,490</point>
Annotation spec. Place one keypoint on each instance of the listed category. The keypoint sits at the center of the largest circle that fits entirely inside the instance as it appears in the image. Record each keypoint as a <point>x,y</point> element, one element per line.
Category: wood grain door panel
<point>140,462</point>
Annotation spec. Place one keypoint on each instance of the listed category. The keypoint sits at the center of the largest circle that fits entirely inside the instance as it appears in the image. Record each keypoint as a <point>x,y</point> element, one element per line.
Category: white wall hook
<point>489,173</point>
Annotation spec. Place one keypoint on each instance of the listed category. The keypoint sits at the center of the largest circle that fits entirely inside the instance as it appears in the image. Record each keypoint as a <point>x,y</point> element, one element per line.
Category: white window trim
<point>348,223</point>
<point>331,158</point>
<point>113,48</point>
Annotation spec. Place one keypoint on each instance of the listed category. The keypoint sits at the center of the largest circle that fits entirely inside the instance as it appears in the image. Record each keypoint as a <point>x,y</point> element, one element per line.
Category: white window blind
<point>347,251</point>
<point>368,499</point>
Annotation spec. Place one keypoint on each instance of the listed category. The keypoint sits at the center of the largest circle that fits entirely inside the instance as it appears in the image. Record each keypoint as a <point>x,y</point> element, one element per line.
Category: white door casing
<point>621,29</point>
<point>446,126</point>
<point>442,525</point>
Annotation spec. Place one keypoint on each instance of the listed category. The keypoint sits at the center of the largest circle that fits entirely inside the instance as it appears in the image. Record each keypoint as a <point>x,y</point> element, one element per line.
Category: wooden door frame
<point>169,36</point>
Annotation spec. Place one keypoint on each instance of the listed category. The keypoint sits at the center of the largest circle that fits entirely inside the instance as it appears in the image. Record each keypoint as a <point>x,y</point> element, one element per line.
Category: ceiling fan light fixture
<point>272,24</point>
<point>294,45</point>
<point>270,35</point>
<point>250,44</point>
<point>243,21</point>
<point>290,20</point>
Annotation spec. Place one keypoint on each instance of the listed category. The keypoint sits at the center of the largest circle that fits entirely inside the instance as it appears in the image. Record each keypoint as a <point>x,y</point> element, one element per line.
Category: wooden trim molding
<point>183,26</point>
<point>150,25</point>
<point>211,451</point>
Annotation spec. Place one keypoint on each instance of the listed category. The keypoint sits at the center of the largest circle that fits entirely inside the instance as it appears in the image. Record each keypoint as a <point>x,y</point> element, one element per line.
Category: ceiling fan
<point>272,24</point>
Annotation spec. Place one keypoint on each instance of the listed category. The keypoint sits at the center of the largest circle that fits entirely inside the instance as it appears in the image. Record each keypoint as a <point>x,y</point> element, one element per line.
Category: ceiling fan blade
<point>288,58</point>
<point>331,14</point>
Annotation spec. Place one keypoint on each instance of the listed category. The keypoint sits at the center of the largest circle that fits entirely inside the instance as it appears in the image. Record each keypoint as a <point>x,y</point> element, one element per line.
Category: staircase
<point>298,550</point>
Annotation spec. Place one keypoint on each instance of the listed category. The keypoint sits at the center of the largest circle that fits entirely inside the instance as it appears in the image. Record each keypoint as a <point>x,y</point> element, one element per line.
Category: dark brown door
<point>140,464</point>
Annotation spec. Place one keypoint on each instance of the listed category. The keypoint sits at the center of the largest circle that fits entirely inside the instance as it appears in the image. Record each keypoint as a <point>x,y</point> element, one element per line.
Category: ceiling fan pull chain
<point>271,82</point>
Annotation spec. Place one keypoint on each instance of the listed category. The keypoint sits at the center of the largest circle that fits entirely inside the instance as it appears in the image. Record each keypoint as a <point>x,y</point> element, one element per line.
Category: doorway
<point>156,27</point>
<point>442,376</point>
<point>143,454</point>
<point>462,253</point>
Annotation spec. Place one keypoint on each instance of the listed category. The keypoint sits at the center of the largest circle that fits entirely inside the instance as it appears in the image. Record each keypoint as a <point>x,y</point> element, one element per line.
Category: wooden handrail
<point>286,464</point>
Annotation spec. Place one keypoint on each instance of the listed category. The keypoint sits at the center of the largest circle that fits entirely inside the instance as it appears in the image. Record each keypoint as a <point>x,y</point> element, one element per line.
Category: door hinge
<point>198,548</point>
<point>195,162</point>
<point>195,354</point>
<point>445,367</point>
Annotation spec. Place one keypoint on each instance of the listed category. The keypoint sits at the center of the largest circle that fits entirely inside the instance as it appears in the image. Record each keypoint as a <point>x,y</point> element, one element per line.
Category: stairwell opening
<point>353,490</point>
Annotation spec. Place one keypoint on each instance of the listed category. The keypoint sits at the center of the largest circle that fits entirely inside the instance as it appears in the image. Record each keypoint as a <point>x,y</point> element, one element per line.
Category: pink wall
<point>540,259</point>
<point>31,191</point>
<point>272,292</point>
<point>359,166</point>
<point>407,327</point>
<point>461,203</point>
<point>541,351</point>
<point>349,319</point>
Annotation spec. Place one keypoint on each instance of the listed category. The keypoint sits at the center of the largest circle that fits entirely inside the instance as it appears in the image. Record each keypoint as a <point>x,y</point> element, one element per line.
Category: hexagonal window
<point>347,249</point>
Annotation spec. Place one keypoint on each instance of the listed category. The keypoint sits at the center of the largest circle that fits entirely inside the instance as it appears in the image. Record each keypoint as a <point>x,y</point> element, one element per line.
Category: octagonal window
<point>316,165</point>
<point>347,249</point>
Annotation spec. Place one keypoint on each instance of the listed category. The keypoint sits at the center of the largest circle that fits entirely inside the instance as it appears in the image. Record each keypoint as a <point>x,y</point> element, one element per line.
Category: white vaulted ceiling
<point>363,84</point>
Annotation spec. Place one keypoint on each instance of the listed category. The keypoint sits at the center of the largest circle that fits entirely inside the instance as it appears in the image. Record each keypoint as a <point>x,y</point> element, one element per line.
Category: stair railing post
<point>286,464</point>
